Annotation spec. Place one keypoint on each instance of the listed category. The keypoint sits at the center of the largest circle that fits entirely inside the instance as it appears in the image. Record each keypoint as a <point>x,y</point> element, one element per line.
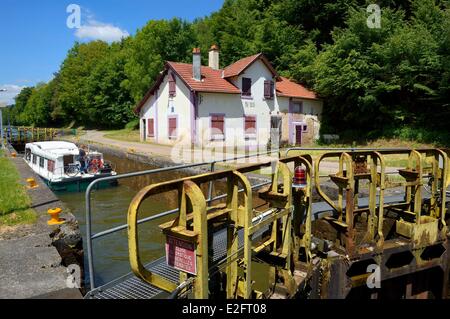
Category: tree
<point>157,42</point>
<point>73,84</point>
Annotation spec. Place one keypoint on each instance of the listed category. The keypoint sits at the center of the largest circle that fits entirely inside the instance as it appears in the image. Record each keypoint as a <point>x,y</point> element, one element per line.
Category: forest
<point>391,81</point>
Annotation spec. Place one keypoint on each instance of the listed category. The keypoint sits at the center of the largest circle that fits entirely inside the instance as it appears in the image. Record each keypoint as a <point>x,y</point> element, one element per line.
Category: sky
<point>36,35</point>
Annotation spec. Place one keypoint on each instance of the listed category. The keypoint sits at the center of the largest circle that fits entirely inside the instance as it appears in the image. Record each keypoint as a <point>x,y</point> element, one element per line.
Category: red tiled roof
<point>288,88</point>
<point>212,80</point>
<point>239,66</point>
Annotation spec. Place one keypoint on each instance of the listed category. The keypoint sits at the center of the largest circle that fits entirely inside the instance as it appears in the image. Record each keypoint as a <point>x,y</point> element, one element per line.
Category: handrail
<point>90,236</point>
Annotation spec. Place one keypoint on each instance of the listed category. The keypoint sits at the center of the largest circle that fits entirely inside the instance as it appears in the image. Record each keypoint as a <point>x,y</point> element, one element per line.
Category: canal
<point>109,209</point>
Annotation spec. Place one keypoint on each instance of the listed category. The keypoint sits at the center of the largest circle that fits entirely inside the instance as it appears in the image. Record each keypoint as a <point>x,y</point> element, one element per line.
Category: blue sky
<point>34,36</point>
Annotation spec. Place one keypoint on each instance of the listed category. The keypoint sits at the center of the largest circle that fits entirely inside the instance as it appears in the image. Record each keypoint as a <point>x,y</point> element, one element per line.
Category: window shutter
<point>267,89</point>
<point>151,127</point>
<point>172,85</point>
<point>172,127</point>
<point>272,89</point>
<point>217,127</point>
<point>217,124</point>
<point>250,124</point>
<point>246,86</point>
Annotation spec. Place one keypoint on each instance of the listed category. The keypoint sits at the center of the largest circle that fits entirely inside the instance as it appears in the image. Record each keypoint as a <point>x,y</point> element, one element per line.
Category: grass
<point>27,216</point>
<point>126,135</point>
<point>14,200</point>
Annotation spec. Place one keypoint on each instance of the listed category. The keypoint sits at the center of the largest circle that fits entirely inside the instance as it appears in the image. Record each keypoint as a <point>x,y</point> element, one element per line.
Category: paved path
<point>176,154</point>
<point>180,154</point>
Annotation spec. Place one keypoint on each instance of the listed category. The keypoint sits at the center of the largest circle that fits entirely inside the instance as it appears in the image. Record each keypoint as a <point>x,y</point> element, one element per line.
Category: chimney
<point>196,64</point>
<point>214,57</point>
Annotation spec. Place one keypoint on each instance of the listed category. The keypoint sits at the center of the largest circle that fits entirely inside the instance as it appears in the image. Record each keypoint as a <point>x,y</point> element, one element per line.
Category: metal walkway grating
<point>131,287</point>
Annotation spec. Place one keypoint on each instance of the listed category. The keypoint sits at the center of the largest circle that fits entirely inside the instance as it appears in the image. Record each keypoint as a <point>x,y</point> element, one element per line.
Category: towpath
<point>176,154</point>
<point>30,266</point>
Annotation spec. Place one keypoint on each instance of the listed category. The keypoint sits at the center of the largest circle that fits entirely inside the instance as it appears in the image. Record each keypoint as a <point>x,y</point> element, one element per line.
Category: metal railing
<point>349,149</point>
<point>90,236</point>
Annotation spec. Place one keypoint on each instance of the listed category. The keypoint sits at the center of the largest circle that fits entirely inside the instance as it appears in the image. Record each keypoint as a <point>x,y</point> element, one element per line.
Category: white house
<point>245,104</point>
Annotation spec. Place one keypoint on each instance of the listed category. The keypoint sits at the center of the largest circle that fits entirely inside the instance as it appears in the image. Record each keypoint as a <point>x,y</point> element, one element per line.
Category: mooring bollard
<point>54,216</point>
<point>32,183</point>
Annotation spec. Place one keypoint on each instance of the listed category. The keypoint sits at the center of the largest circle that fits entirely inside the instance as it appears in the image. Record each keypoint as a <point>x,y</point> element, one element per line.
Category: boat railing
<point>90,236</point>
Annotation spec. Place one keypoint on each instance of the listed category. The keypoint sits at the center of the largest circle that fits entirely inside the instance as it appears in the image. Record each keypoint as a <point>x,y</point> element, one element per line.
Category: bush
<point>132,125</point>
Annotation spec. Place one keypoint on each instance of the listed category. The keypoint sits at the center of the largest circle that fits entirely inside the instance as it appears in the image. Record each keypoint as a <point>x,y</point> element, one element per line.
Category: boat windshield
<point>27,154</point>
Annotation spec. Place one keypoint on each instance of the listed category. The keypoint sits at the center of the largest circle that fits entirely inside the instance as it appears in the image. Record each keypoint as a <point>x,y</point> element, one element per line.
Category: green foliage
<point>132,125</point>
<point>157,42</point>
<point>374,82</point>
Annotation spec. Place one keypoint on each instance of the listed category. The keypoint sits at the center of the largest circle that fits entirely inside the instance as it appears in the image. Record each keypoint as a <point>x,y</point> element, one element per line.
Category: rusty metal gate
<point>356,241</point>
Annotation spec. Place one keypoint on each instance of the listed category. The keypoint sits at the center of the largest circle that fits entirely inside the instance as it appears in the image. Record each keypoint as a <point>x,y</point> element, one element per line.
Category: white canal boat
<point>64,169</point>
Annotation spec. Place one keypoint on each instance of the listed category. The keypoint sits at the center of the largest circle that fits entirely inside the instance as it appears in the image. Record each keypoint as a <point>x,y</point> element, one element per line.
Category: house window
<point>297,107</point>
<point>150,128</point>
<point>34,159</point>
<point>246,87</point>
<point>217,127</point>
<point>172,86</point>
<point>50,166</point>
<point>305,128</point>
<point>172,127</point>
<point>41,162</point>
<point>268,90</point>
<point>250,127</point>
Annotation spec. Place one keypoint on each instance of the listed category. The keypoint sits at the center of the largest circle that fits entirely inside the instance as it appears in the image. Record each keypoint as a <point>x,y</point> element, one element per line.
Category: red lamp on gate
<point>299,180</point>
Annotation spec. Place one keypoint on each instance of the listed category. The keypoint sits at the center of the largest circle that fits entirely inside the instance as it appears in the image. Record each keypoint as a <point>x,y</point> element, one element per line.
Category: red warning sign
<point>180,254</point>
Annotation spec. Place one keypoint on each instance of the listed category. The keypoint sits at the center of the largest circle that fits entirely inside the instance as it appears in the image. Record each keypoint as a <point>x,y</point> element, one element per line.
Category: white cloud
<point>7,97</point>
<point>95,30</point>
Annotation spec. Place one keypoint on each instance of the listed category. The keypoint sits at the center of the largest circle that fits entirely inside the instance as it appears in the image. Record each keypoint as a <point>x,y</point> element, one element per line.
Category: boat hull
<point>79,184</point>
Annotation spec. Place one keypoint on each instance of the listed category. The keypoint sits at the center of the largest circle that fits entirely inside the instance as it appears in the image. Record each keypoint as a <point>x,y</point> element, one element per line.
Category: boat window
<point>50,166</point>
<point>68,159</point>
<point>34,159</point>
<point>41,162</point>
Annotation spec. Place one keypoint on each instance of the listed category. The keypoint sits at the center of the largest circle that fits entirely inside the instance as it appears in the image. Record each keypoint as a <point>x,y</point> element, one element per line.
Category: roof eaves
<point>151,91</point>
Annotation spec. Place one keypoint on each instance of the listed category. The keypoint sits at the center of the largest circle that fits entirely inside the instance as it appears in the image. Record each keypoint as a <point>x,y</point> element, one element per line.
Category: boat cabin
<point>57,160</point>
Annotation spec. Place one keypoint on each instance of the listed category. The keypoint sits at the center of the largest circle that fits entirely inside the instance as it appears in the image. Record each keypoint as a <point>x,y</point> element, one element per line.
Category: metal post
<point>89,236</point>
<point>1,121</point>
<point>210,185</point>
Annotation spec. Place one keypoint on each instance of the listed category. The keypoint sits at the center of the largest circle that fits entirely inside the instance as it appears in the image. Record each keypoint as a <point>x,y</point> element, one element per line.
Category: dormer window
<point>246,87</point>
<point>268,90</point>
<point>172,86</point>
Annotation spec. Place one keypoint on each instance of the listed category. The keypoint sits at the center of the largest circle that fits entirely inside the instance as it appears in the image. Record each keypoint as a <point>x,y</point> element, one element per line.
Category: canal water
<point>109,209</point>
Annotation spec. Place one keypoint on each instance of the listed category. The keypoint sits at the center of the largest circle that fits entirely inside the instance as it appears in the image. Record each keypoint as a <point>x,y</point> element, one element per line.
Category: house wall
<point>161,107</point>
<point>310,116</point>
<point>234,107</point>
